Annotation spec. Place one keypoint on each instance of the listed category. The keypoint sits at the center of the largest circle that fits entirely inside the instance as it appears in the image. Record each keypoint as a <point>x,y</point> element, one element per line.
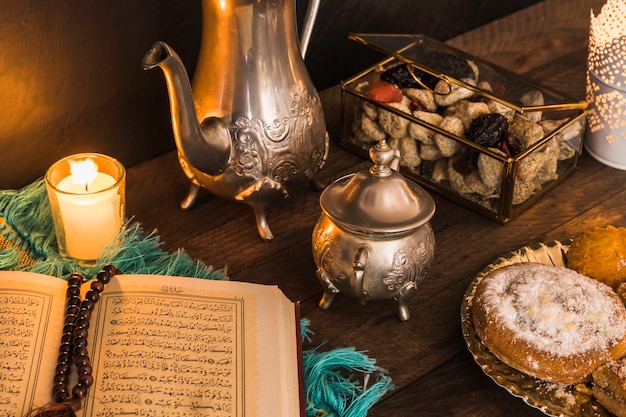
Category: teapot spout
<point>206,146</point>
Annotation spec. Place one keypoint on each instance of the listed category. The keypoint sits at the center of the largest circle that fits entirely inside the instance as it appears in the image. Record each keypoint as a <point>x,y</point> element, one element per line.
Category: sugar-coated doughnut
<point>549,322</point>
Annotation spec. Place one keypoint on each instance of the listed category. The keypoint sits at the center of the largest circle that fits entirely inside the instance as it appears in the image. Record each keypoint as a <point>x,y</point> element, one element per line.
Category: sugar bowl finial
<point>373,239</point>
<point>385,159</point>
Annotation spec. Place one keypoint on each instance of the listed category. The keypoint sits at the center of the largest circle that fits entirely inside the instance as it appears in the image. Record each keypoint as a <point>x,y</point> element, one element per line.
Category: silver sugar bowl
<point>373,239</point>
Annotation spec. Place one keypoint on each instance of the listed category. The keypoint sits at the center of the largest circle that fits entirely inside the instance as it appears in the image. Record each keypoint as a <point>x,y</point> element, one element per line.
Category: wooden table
<point>427,358</point>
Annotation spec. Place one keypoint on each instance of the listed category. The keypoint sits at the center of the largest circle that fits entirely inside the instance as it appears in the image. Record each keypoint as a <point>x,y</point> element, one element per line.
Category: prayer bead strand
<point>73,349</point>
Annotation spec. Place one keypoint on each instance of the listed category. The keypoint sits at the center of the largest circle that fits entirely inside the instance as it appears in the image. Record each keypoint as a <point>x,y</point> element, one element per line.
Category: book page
<point>31,322</point>
<point>177,347</point>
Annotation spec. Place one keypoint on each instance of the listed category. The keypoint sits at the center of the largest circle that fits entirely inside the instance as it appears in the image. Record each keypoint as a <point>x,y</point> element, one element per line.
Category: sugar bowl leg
<point>330,291</point>
<point>403,297</point>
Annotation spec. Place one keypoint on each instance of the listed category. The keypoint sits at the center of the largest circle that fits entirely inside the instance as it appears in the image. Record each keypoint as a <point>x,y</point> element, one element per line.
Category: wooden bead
<point>82,360</point>
<point>75,281</point>
<point>58,387</point>
<point>80,341</point>
<point>69,328</point>
<point>82,322</point>
<point>97,285</point>
<point>72,310</point>
<point>61,396</point>
<point>87,305</point>
<point>64,358</point>
<point>65,348</point>
<point>85,380</point>
<point>104,276</point>
<point>92,296</point>
<point>61,377</point>
<point>79,391</point>
<point>80,332</point>
<point>73,291</point>
<point>62,368</point>
<point>79,350</point>
<point>73,301</point>
<point>85,369</point>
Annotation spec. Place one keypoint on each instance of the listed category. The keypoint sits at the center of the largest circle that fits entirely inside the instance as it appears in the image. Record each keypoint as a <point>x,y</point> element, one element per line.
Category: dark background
<point>71,78</point>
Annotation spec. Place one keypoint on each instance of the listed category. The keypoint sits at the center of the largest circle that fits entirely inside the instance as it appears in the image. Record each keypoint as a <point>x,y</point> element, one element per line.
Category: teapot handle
<point>307,25</point>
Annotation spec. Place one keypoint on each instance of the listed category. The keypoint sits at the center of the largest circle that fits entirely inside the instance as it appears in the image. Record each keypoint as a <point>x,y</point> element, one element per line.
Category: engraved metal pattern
<point>248,151</point>
<point>329,250</point>
<point>409,265</point>
<point>284,148</point>
<point>405,268</point>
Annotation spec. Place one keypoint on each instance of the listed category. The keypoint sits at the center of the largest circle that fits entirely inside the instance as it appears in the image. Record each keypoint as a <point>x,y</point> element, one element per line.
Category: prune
<point>439,61</point>
<point>511,145</point>
<point>417,105</point>
<point>488,130</point>
<point>466,161</point>
<point>465,164</point>
<point>402,78</point>
<point>449,64</point>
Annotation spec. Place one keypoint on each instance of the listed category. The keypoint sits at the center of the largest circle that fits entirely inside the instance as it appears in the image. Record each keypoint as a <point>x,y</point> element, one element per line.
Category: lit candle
<point>86,194</point>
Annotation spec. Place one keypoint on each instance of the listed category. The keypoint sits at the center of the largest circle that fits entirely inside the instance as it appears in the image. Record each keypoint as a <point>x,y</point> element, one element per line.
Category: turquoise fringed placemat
<point>335,381</point>
<point>28,242</point>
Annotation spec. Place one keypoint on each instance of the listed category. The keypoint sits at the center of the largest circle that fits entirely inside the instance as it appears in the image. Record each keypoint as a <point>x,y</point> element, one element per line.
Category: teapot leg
<point>403,298</point>
<point>260,213</point>
<point>260,196</point>
<point>191,196</point>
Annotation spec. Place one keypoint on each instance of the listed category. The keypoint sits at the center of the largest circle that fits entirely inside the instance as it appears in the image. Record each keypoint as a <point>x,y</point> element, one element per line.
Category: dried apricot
<point>384,92</point>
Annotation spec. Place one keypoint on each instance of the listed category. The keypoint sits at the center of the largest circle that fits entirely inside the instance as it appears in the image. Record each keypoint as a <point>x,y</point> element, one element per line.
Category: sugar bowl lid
<point>378,200</point>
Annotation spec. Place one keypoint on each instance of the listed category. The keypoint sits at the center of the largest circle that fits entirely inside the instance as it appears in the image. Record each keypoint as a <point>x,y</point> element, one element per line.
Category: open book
<point>160,346</point>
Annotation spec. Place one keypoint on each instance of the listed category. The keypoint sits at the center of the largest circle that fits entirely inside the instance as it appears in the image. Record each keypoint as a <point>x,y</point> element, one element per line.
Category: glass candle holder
<point>606,85</point>
<point>88,203</point>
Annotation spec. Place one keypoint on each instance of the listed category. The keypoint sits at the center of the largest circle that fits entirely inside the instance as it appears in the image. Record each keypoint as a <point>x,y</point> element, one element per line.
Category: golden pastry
<point>600,254</point>
<point>549,322</point>
<point>609,386</point>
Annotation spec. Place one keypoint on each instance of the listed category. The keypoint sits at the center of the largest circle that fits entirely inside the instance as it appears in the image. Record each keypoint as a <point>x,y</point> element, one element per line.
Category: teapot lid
<point>379,199</point>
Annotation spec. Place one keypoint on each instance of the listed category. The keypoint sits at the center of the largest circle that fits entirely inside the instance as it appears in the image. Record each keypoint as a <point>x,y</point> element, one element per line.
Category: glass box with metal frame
<point>465,128</point>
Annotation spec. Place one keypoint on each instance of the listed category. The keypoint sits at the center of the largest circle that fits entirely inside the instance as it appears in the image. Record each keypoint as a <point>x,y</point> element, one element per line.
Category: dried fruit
<point>401,77</point>
<point>511,145</point>
<point>384,92</point>
<point>464,165</point>
<point>488,130</point>
<point>449,64</point>
<point>417,105</point>
<point>439,61</point>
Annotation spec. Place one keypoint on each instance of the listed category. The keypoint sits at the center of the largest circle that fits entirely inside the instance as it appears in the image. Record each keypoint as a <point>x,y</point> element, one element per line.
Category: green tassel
<point>135,251</point>
<point>28,212</point>
<point>305,331</point>
<point>9,258</point>
<point>331,389</point>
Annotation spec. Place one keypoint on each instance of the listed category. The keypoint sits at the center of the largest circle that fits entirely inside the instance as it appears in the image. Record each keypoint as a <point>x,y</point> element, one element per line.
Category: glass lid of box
<point>429,62</point>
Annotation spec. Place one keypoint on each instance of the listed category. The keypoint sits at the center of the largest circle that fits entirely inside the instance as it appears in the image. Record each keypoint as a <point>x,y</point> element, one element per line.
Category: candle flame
<point>84,172</point>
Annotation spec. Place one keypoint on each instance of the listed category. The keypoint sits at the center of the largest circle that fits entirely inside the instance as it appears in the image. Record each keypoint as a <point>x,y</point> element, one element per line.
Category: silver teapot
<point>373,239</point>
<point>251,127</point>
